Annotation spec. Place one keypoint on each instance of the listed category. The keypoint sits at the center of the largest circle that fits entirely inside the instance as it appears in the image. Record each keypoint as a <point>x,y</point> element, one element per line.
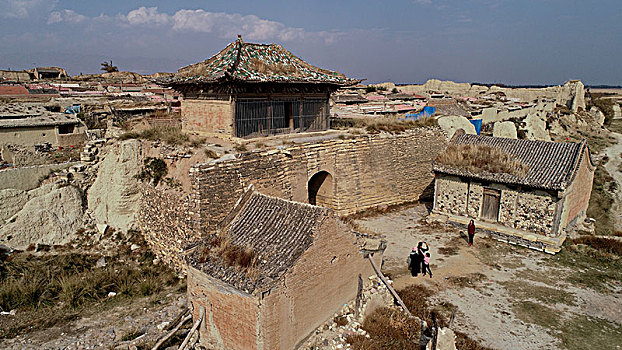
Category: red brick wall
<point>211,116</point>
<point>230,315</point>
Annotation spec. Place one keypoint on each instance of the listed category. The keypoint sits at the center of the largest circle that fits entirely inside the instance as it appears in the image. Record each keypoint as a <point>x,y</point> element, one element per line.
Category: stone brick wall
<point>527,210</point>
<point>367,171</point>
<point>166,224</point>
<point>231,316</point>
<point>210,116</point>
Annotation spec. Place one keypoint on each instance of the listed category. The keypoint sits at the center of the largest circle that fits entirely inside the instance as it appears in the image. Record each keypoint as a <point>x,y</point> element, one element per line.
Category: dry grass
<point>388,329</point>
<point>481,158</point>
<point>396,127</point>
<point>166,134</point>
<point>51,289</point>
<point>601,200</point>
<point>274,68</point>
<point>230,254</point>
<point>602,244</point>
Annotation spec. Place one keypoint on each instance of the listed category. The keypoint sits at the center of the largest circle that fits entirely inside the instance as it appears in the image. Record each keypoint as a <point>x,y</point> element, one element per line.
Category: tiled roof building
<point>249,90</point>
<point>306,264</point>
<point>535,208</point>
<point>552,165</point>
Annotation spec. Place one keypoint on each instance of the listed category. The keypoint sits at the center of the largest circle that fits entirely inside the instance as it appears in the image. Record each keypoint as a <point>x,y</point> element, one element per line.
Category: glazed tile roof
<point>552,165</point>
<point>249,62</point>
<point>279,231</point>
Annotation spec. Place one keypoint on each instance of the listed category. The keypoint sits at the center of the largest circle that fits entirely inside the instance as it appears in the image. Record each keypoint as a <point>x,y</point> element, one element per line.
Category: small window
<point>65,129</point>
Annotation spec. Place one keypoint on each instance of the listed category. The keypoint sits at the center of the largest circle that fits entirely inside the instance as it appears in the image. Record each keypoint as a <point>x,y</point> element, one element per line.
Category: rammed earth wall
<point>365,172</point>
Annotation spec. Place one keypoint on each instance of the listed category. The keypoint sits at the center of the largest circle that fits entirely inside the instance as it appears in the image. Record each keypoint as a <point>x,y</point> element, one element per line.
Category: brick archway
<point>321,189</point>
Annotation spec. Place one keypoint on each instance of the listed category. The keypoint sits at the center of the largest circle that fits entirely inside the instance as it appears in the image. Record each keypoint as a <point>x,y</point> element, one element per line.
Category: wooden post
<point>359,294</point>
<point>393,292</point>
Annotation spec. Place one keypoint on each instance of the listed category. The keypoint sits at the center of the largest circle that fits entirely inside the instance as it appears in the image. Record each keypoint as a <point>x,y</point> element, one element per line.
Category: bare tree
<point>108,67</point>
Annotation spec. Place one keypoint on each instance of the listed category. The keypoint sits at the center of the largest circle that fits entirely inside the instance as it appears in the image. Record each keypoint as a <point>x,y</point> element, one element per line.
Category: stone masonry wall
<point>367,171</point>
<point>527,210</point>
<point>165,224</point>
<point>211,116</point>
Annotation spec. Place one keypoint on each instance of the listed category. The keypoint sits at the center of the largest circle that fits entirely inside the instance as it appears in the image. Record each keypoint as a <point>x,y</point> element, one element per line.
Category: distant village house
<point>535,208</point>
<point>249,90</point>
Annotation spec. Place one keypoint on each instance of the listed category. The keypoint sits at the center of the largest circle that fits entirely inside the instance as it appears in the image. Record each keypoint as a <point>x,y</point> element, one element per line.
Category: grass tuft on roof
<point>482,158</point>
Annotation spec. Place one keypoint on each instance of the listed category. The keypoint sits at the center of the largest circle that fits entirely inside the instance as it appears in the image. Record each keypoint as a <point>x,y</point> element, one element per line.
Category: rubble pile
<point>332,335</point>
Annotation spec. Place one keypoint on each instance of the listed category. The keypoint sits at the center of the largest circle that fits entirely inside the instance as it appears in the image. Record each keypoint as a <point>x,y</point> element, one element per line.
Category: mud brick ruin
<point>535,210</point>
<point>305,264</point>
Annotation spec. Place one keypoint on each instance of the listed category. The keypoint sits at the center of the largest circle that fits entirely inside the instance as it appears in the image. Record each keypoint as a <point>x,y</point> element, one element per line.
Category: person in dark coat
<point>471,231</point>
<point>421,254</point>
<point>413,262</point>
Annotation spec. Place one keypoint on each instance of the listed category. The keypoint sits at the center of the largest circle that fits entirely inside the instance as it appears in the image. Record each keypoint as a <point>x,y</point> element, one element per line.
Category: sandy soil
<point>493,283</point>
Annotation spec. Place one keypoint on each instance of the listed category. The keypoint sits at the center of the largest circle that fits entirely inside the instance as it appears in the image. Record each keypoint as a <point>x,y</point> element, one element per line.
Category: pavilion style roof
<point>552,165</point>
<point>250,62</point>
<point>278,230</point>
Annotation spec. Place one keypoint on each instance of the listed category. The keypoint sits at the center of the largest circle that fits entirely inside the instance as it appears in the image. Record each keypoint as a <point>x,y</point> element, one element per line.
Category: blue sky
<point>511,41</point>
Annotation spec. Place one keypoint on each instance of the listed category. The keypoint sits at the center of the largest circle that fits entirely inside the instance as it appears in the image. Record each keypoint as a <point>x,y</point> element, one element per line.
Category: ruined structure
<point>346,175</point>
<point>32,124</point>
<point>248,90</point>
<point>535,210</point>
<point>304,264</point>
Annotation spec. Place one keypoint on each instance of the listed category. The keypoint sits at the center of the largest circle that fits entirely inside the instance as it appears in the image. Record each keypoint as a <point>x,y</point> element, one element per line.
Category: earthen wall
<point>323,279</point>
<point>209,116</point>
<point>231,316</point>
<point>577,196</point>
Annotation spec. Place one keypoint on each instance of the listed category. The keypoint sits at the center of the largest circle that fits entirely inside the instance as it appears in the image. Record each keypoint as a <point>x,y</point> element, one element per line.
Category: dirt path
<point>507,297</point>
<point>613,167</point>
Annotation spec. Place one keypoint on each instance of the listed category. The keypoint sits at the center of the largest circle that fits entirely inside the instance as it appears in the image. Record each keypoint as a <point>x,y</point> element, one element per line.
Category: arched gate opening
<point>321,189</point>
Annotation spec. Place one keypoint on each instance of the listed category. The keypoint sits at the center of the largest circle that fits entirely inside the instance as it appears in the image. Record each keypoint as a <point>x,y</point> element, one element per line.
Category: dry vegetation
<point>274,68</point>
<point>481,158</point>
<point>53,288</point>
<point>601,200</point>
<point>377,125</point>
<point>219,248</point>
<point>166,134</point>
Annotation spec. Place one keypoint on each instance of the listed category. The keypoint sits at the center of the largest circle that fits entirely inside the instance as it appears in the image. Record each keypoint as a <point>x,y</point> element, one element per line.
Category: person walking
<point>426,264</point>
<point>471,231</point>
<point>413,262</point>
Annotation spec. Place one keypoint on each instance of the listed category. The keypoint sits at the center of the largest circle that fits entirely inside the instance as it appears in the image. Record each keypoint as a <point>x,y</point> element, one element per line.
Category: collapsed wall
<point>348,175</point>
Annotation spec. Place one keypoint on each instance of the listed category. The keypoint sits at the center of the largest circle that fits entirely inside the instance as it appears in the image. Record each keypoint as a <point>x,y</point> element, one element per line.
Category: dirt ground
<point>139,323</point>
<point>508,297</point>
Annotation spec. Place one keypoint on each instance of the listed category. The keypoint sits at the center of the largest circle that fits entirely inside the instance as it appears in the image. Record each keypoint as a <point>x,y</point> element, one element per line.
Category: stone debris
<point>330,335</point>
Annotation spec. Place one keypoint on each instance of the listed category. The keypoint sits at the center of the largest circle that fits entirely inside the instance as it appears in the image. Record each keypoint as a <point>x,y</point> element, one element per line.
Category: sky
<point>515,42</point>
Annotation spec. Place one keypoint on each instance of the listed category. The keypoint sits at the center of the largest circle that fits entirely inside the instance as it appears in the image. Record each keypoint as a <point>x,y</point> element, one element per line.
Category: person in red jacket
<point>471,231</point>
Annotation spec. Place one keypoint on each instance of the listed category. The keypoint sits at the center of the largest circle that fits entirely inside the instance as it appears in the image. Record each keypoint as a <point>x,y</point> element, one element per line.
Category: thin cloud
<point>67,16</point>
<point>220,24</point>
<point>24,8</point>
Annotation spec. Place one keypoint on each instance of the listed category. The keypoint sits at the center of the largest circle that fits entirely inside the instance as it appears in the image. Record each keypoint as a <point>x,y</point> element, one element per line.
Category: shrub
<point>210,154</point>
<point>388,329</point>
<point>166,134</point>
<point>607,245</point>
<point>482,158</point>
<point>155,169</point>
